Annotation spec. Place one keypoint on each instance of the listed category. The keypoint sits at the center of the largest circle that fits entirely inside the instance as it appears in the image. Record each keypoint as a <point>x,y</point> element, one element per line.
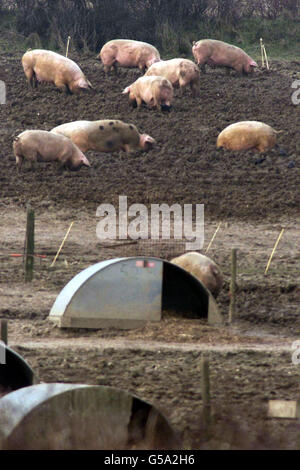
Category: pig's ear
<point>85,162</point>
<point>84,84</point>
<point>126,90</point>
<point>149,139</point>
<point>90,85</point>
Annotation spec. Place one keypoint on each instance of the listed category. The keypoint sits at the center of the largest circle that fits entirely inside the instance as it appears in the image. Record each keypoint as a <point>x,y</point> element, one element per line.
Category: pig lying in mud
<point>107,135</point>
<point>47,66</point>
<point>156,92</point>
<point>247,135</point>
<point>203,268</point>
<point>128,53</point>
<point>221,54</point>
<point>43,146</point>
<point>180,72</point>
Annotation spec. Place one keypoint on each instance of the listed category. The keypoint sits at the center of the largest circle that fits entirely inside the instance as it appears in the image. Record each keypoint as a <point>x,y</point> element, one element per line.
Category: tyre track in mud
<point>123,344</point>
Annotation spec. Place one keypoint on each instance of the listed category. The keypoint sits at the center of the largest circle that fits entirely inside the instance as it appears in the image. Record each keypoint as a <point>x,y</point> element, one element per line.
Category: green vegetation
<point>171,26</point>
<point>280,36</point>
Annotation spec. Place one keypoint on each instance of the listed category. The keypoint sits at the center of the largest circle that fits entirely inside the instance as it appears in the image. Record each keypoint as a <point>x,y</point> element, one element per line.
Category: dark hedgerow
<point>170,25</point>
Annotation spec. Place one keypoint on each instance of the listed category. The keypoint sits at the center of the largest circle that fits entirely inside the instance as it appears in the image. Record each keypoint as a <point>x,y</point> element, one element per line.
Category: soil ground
<point>254,196</point>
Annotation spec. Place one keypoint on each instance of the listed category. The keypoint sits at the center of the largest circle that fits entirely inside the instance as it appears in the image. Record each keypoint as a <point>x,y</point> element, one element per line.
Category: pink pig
<point>203,268</point>
<point>43,146</point>
<point>128,53</point>
<point>247,135</point>
<point>107,135</point>
<point>180,72</point>
<point>47,66</point>
<point>154,91</point>
<point>221,54</point>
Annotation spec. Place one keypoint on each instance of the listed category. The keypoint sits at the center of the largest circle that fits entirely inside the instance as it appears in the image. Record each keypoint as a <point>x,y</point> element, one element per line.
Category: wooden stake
<point>68,43</point>
<point>62,244</point>
<point>206,405</point>
<point>262,53</point>
<point>274,249</point>
<point>266,57</point>
<point>4,331</point>
<point>29,245</point>
<point>210,243</point>
<point>232,284</point>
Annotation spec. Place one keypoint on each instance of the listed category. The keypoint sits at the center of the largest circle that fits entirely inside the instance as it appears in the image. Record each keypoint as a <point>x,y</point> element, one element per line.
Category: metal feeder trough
<point>79,417</point>
<point>128,292</point>
<point>15,373</point>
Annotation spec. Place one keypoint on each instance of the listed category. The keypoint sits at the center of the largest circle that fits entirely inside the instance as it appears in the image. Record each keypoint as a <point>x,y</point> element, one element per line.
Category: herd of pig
<point>66,143</point>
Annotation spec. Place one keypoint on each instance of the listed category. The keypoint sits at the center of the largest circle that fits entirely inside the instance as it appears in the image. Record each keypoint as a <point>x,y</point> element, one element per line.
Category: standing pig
<point>107,135</point>
<point>47,66</point>
<point>154,91</point>
<point>203,268</point>
<point>221,54</point>
<point>128,53</point>
<point>180,72</point>
<point>247,135</point>
<point>43,146</point>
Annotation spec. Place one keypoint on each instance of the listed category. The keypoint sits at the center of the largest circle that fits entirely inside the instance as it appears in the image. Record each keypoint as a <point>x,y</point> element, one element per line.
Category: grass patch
<point>10,39</point>
<point>281,36</point>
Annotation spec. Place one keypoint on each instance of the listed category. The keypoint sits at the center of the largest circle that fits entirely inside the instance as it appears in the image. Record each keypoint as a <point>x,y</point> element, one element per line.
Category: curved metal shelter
<point>15,373</point>
<point>78,417</point>
<point>128,292</point>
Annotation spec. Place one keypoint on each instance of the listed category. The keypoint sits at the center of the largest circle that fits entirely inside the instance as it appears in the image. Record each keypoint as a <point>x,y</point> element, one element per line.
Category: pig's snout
<point>148,146</point>
<point>146,142</point>
<point>77,167</point>
<point>133,103</point>
<point>166,107</point>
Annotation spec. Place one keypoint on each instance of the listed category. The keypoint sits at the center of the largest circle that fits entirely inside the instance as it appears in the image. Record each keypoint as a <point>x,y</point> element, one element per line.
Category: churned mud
<point>253,195</point>
<point>184,166</point>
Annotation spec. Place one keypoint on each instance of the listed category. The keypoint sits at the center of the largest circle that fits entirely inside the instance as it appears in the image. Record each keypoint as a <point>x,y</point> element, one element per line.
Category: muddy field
<point>184,167</point>
<point>253,195</point>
